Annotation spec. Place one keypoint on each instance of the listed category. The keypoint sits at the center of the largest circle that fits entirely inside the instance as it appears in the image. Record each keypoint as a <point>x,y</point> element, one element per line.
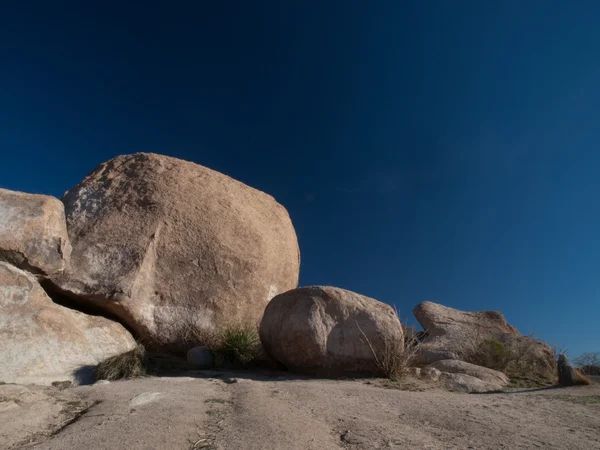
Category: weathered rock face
<point>483,373</point>
<point>33,232</point>
<point>461,382</point>
<point>44,342</point>
<point>29,411</point>
<point>452,334</point>
<point>166,245</point>
<point>317,330</point>
<point>439,320</point>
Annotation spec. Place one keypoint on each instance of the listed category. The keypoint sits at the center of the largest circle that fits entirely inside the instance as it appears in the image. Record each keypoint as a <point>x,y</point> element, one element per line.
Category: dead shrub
<point>192,335</point>
<point>589,363</point>
<point>397,358</point>
<point>516,357</point>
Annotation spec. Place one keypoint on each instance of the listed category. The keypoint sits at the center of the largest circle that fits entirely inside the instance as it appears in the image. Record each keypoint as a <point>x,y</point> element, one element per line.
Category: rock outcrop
<point>168,246</point>
<point>43,342</point>
<point>567,374</point>
<point>483,373</point>
<point>33,232</point>
<point>461,382</point>
<point>329,331</point>
<point>454,334</point>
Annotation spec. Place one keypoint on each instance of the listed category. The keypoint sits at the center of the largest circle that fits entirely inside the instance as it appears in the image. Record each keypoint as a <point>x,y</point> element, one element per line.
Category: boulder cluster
<point>153,248</point>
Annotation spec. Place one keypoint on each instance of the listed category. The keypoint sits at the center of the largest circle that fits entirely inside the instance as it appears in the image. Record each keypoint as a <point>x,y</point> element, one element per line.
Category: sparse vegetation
<point>525,382</point>
<point>236,344</point>
<point>589,363</point>
<point>491,353</point>
<point>516,358</point>
<point>397,358</point>
<point>193,335</point>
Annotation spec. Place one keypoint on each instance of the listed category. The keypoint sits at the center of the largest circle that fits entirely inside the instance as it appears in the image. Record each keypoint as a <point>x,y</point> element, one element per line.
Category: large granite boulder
<point>454,334</point>
<point>43,342</point>
<point>483,373</point>
<point>33,232</point>
<point>175,249</point>
<point>330,331</point>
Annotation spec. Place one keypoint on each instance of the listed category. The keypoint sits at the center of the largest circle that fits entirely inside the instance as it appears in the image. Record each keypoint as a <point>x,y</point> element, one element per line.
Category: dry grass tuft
<point>397,358</point>
<point>236,343</point>
<point>131,364</point>
<point>568,375</point>
<point>582,379</point>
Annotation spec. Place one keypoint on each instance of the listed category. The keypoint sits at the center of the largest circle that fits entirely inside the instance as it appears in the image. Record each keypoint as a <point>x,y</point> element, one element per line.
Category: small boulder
<point>43,342</point>
<point>330,331</point>
<point>430,374</point>
<point>483,373</point>
<point>461,382</point>
<point>200,358</point>
<point>33,232</point>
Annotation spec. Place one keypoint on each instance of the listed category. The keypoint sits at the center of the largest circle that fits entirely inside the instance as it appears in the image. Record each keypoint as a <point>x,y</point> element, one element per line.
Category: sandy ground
<point>238,411</point>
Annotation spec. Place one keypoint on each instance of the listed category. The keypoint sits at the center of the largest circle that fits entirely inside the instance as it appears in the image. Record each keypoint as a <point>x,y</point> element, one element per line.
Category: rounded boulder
<point>173,248</point>
<point>330,331</point>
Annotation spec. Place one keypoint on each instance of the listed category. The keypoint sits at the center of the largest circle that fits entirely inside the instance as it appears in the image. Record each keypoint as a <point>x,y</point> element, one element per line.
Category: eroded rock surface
<point>43,342</point>
<point>170,246</point>
<point>33,232</point>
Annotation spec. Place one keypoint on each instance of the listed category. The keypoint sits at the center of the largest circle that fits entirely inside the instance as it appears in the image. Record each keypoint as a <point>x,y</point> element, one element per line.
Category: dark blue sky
<point>437,150</point>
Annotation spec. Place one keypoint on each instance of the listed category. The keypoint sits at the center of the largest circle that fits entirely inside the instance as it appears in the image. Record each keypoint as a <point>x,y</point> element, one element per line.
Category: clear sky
<point>426,150</point>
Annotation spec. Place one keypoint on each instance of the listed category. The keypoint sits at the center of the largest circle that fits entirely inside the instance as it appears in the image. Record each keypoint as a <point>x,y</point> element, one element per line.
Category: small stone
<point>144,398</point>
<point>200,358</point>
<point>430,374</point>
